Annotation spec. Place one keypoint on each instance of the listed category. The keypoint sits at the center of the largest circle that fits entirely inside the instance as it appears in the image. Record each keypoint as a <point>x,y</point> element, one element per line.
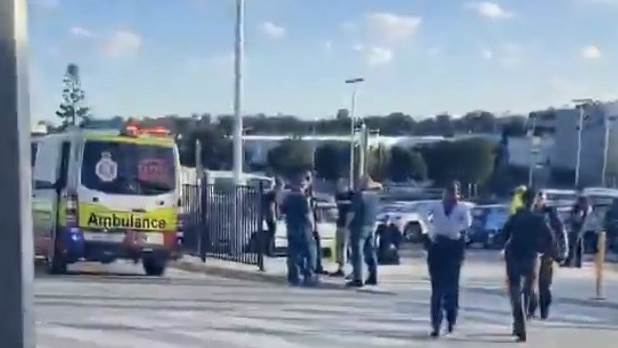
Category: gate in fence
<point>223,222</point>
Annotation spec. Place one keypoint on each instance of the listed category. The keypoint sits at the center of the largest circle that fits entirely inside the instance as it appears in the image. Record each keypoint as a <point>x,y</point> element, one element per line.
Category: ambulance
<point>103,195</point>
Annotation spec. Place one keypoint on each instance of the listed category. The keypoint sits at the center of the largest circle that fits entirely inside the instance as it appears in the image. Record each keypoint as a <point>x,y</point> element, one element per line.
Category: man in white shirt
<point>450,220</point>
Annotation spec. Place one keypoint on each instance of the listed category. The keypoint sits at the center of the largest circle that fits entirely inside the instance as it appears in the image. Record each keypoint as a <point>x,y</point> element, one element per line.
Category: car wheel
<point>56,264</point>
<point>154,267</point>
<point>413,232</point>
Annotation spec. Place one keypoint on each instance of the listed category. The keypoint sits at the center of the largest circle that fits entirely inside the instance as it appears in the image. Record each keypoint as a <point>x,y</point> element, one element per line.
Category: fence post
<point>261,245</point>
<point>599,264</point>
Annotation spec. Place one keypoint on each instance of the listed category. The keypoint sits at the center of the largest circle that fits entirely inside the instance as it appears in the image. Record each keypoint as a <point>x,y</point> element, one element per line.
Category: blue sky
<point>157,57</point>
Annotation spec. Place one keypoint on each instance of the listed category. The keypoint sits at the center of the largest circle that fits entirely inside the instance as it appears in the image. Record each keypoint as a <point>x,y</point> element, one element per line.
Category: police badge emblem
<point>106,169</point>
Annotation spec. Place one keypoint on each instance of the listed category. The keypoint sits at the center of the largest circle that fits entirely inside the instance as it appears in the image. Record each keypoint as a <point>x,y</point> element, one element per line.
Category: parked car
<point>487,223</point>
<point>407,218</point>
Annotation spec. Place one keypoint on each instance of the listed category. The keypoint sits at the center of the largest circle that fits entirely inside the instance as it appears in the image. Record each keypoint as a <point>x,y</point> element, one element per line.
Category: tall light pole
<point>533,151</point>
<point>236,245</point>
<point>354,82</point>
<point>16,254</point>
<point>581,105</point>
<point>238,89</point>
<point>607,122</point>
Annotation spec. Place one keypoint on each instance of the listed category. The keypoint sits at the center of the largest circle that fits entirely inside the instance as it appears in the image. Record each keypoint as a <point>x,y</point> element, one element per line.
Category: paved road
<point>190,310</point>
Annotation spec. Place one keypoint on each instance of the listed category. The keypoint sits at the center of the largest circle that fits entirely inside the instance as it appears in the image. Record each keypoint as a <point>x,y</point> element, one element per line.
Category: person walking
<point>301,244</point>
<point>315,216</point>
<point>545,269</point>
<point>445,255</point>
<point>361,222</point>
<point>526,234</point>
<point>343,198</point>
<point>271,208</point>
<point>579,213</point>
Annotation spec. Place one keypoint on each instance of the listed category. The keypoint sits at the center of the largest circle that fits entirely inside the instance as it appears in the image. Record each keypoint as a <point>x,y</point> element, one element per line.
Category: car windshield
<point>128,168</point>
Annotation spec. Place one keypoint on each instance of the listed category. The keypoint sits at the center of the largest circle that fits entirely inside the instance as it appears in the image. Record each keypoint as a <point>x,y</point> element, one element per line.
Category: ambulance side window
<point>45,164</point>
<point>65,155</point>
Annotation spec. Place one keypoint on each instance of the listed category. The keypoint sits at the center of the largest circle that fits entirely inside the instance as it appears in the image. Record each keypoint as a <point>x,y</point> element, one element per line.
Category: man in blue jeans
<point>361,222</point>
<point>301,244</point>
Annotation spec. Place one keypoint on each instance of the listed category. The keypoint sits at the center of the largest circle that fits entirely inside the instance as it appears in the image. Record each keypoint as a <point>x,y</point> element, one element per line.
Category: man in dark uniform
<point>301,245</point>
<point>526,235</point>
<point>270,209</point>
<point>546,262</point>
<point>578,216</point>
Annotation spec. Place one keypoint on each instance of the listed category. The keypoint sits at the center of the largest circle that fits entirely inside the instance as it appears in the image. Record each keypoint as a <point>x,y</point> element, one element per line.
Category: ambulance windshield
<point>127,168</point>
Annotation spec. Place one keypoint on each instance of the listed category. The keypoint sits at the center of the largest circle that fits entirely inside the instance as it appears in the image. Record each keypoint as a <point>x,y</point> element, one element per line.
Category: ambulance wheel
<point>154,267</point>
<point>56,265</point>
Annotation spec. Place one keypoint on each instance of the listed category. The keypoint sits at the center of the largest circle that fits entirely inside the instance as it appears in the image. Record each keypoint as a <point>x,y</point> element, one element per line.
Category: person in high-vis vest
<point>516,201</point>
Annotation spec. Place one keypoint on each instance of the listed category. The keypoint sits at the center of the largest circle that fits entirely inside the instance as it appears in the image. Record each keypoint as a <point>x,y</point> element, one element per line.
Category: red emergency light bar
<point>133,130</point>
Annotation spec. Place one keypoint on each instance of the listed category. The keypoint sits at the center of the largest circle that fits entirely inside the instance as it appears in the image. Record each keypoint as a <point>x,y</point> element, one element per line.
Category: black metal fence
<point>223,222</point>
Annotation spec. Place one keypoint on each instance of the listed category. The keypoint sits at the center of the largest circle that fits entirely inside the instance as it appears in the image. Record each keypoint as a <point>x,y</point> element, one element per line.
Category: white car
<point>407,217</point>
<point>326,226</point>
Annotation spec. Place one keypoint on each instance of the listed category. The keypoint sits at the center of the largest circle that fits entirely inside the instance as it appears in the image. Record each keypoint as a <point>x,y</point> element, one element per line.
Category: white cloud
<point>507,55</point>
<point>272,30</point>
<point>379,56</point>
<point>122,43</point>
<point>591,52</point>
<point>489,10</point>
<point>375,55</point>
<point>81,33</point>
<point>390,28</point>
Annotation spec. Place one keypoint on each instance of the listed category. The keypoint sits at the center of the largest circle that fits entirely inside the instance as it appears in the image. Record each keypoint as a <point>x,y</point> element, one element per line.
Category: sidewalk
<point>574,286</point>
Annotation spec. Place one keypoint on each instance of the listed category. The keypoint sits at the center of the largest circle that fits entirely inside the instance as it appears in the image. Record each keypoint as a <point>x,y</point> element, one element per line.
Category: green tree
<point>406,164</point>
<point>291,156</point>
<point>329,161</point>
<point>378,161</point>
<point>72,109</point>
<point>470,160</point>
<point>216,148</point>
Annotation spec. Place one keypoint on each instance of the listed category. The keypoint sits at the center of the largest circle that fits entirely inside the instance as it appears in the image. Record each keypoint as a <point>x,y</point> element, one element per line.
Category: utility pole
<point>16,254</point>
<point>354,82</point>
<point>581,105</point>
<point>239,52</point>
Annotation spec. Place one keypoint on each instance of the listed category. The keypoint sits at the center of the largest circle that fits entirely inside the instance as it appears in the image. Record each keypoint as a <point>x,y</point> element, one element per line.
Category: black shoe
<point>339,274</point>
<point>521,338</point>
<point>371,281</point>
<point>450,328</point>
<point>354,284</point>
<point>545,314</point>
<point>434,334</point>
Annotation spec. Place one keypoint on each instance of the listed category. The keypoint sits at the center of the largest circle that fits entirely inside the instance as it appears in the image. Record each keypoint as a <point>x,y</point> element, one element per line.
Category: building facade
<point>599,120</point>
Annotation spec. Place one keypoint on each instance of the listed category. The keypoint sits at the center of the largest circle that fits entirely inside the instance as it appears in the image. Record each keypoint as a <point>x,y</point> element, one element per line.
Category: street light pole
<point>607,123</point>
<point>16,254</point>
<point>533,153</point>
<point>238,89</point>
<point>582,103</point>
<point>355,82</point>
